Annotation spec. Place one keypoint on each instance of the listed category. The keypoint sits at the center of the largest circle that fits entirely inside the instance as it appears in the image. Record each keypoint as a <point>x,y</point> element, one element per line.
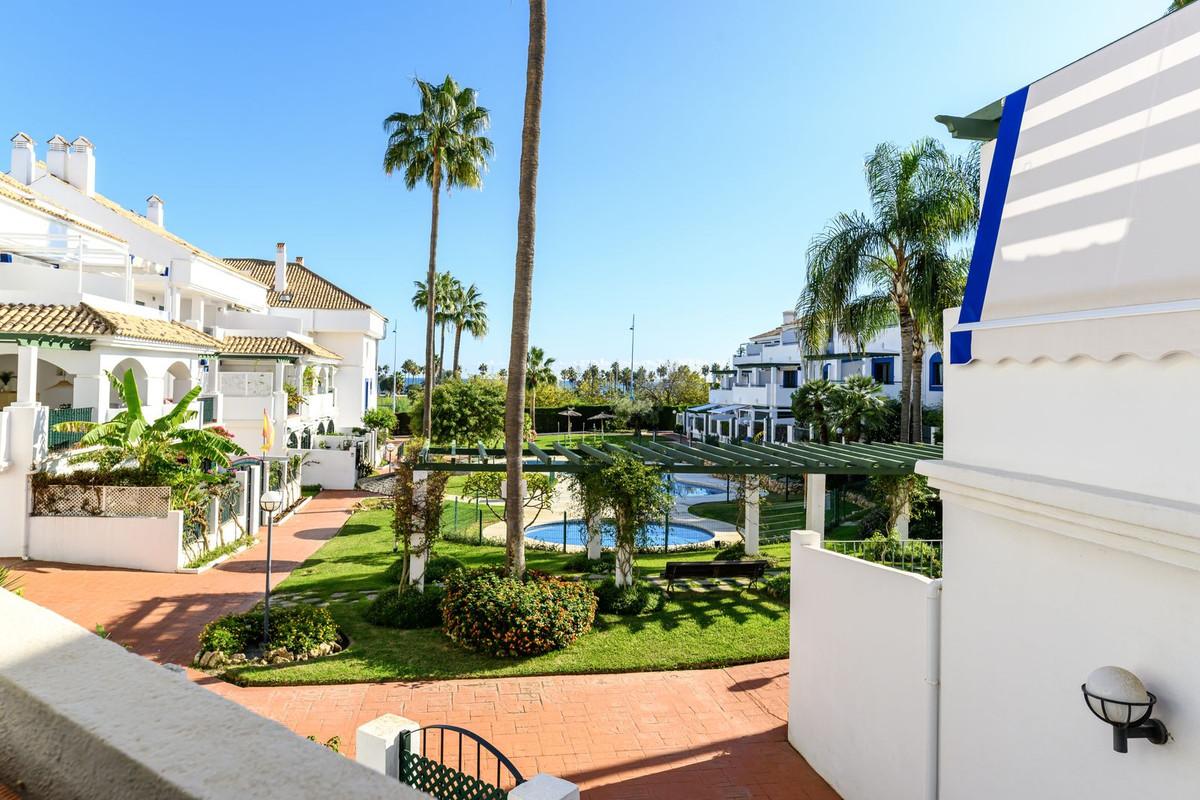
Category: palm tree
<point>410,368</point>
<point>570,375</point>
<point>445,290</point>
<point>514,409</point>
<point>858,407</point>
<point>469,314</point>
<point>483,368</point>
<point>443,143</point>
<point>154,447</point>
<point>922,200</point>
<point>538,372</point>
<point>812,404</point>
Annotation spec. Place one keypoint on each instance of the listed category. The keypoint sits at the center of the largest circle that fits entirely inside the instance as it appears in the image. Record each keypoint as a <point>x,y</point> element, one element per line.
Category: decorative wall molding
<point>1152,527</point>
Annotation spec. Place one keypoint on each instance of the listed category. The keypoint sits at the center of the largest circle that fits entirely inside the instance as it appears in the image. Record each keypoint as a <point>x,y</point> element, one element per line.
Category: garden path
<point>717,734</point>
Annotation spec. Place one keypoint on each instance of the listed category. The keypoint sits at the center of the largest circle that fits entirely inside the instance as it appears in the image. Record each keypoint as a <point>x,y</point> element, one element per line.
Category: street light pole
<point>395,343</point>
<point>270,503</point>
<point>632,335</point>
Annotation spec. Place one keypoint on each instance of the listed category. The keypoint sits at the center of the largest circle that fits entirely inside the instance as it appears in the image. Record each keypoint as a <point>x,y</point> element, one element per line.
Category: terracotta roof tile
<point>274,346</point>
<point>308,289</point>
<point>87,322</point>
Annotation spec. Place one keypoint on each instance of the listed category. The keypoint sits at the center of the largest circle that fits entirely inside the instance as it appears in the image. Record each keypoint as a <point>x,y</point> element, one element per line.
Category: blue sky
<point>689,149</point>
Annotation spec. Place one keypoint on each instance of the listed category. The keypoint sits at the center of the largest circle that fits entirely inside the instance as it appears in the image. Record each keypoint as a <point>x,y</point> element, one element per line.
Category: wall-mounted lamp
<point>1119,697</point>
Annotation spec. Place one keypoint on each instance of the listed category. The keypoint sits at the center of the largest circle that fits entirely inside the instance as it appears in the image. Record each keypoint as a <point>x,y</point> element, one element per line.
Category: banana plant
<point>163,445</point>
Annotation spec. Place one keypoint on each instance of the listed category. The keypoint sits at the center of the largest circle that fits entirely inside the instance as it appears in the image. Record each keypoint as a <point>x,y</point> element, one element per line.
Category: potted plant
<point>5,377</point>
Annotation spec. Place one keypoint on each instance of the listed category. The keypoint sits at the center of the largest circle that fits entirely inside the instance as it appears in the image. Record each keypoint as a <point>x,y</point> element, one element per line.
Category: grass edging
<point>222,556</point>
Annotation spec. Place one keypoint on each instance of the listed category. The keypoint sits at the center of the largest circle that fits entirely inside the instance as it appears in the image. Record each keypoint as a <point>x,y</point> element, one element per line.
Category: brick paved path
<point>160,615</point>
<point>692,735</point>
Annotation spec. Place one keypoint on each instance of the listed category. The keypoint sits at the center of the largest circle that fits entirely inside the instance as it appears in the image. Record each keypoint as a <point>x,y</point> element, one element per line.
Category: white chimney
<point>56,158</point>
<point>281,267</point>
<point>789,318</point>
<point>81,166</point>
<point>23,158</point>
<point>300,260</point>
<point>154,210</point>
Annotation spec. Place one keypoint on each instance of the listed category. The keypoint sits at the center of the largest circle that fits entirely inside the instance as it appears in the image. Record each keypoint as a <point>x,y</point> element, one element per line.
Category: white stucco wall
<point>333,469</point>
<point>154,544</point>
<point>1030,609</point>
<point>860,707</point>
<point>85,718</point>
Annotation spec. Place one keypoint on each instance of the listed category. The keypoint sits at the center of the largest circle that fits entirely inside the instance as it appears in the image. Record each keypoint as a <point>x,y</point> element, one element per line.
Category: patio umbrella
<point>569,413</point>
<point>603,415</point>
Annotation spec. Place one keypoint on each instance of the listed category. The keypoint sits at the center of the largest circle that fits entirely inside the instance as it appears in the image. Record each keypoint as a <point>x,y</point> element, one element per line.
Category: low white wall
<point>861,707</point>
<point>333,469</point>
<point>84,718</point>
<point>149,543</point>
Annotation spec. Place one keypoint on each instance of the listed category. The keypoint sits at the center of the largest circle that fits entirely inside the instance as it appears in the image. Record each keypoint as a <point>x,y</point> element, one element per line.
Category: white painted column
<point>91,391</point>
<point>902,521</point>
<point>814,503</point>
<point>27,374</point>
<point>752,507</point>
<point>593,545</point>
<point>255,488</point>
<point>416,560</point>
<point>377,744</point>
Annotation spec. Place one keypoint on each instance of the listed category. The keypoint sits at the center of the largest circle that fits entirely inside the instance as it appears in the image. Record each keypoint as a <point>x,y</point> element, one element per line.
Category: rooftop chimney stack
<point>23,158</point>
<point>81,166</point>
<point>56,158</point>
<point>300,260</point>
<point>789,318</point>
<point>154,210</point>
<point>281,267</point>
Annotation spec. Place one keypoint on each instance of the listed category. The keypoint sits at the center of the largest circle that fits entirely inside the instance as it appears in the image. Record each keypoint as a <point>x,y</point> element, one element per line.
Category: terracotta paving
<point>160,615</point>
<point>694,735</point>
<point>718,734</point>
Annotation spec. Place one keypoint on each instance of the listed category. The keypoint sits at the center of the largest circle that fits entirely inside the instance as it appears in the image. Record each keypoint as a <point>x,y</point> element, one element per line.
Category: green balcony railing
<point>57,440</point>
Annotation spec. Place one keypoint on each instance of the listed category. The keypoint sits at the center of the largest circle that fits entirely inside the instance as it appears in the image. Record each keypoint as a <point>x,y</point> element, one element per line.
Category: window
<point>791,378</point>
<point>824,372</point>
<point>881,370</point>
<point>935,372</point>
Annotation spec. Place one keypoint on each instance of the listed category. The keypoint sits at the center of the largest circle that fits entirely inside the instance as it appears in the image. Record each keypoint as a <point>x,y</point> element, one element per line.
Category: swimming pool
<point>653,536</point>
<point>685,489</point>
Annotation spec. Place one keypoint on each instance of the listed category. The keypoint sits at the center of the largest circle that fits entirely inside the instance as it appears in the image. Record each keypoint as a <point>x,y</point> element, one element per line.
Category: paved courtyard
<point>715,734</point>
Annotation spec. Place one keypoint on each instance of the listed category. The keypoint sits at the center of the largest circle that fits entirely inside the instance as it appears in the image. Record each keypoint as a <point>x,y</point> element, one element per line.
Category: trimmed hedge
<point>411,609</point>
<point>436,569</point>
<point>778,587</point>
<point>489,612</point>
<point>627,601</point>
<point>298,629</point>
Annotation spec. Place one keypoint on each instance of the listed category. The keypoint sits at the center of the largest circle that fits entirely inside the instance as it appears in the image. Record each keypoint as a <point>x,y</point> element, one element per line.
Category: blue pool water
<point>652,536</point>
<point>684,489</point>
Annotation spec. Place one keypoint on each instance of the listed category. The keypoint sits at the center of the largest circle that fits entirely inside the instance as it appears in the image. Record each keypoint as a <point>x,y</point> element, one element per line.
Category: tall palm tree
<point>469,314</point>
<point>570,375</point>
<point>922,201</point>
<point>538,372</point>
<point>441,144</point>
<point>514,408</point>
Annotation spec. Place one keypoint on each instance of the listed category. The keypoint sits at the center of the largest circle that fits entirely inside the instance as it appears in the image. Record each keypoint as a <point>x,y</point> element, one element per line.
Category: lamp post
<point>395,344</point>
<point>270,503</point>
<point>632,335</point>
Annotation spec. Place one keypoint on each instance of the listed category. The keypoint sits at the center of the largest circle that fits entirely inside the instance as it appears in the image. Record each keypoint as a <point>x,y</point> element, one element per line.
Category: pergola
<point>810,459</point>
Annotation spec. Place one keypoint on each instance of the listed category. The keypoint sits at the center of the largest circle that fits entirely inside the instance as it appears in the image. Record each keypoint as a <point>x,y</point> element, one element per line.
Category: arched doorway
<point>139,375</point>
<point>177,382</point>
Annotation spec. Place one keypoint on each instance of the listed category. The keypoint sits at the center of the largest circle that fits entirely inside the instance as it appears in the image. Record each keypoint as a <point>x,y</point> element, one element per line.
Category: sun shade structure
<point>740,458</point>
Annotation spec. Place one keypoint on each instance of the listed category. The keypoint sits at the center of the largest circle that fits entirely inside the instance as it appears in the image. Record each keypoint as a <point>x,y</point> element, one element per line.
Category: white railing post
<point>545,787</point>
<point>814,503</point>
<point>377,744</point>
<point>751,500</point>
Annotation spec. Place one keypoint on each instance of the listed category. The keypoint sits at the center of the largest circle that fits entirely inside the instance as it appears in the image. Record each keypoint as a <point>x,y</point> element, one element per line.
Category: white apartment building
<point>89,288</point>
<point>755,391</point>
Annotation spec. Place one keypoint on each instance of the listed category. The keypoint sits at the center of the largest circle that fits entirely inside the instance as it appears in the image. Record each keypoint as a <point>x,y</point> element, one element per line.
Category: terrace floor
<point>717,734</point>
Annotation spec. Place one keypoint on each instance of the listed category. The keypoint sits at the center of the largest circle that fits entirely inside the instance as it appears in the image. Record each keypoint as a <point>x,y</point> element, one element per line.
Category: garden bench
<point>676,570</point>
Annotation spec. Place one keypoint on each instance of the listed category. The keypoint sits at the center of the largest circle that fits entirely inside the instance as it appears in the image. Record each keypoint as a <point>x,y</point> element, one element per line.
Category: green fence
<point>57,440</point>
<point>444,782</point>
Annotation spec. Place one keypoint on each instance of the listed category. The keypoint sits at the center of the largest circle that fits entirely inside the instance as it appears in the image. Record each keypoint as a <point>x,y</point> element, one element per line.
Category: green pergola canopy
<point>733,458</point>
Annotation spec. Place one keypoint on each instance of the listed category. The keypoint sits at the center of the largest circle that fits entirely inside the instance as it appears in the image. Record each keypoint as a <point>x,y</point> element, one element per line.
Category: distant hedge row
<point>549,420</point>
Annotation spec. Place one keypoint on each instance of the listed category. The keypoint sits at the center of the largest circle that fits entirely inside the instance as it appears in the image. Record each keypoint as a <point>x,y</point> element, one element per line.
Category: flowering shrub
<point>486,611</point>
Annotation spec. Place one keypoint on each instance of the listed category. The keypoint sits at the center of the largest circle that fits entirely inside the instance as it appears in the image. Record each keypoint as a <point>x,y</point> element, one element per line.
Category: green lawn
<point>697,629</point>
